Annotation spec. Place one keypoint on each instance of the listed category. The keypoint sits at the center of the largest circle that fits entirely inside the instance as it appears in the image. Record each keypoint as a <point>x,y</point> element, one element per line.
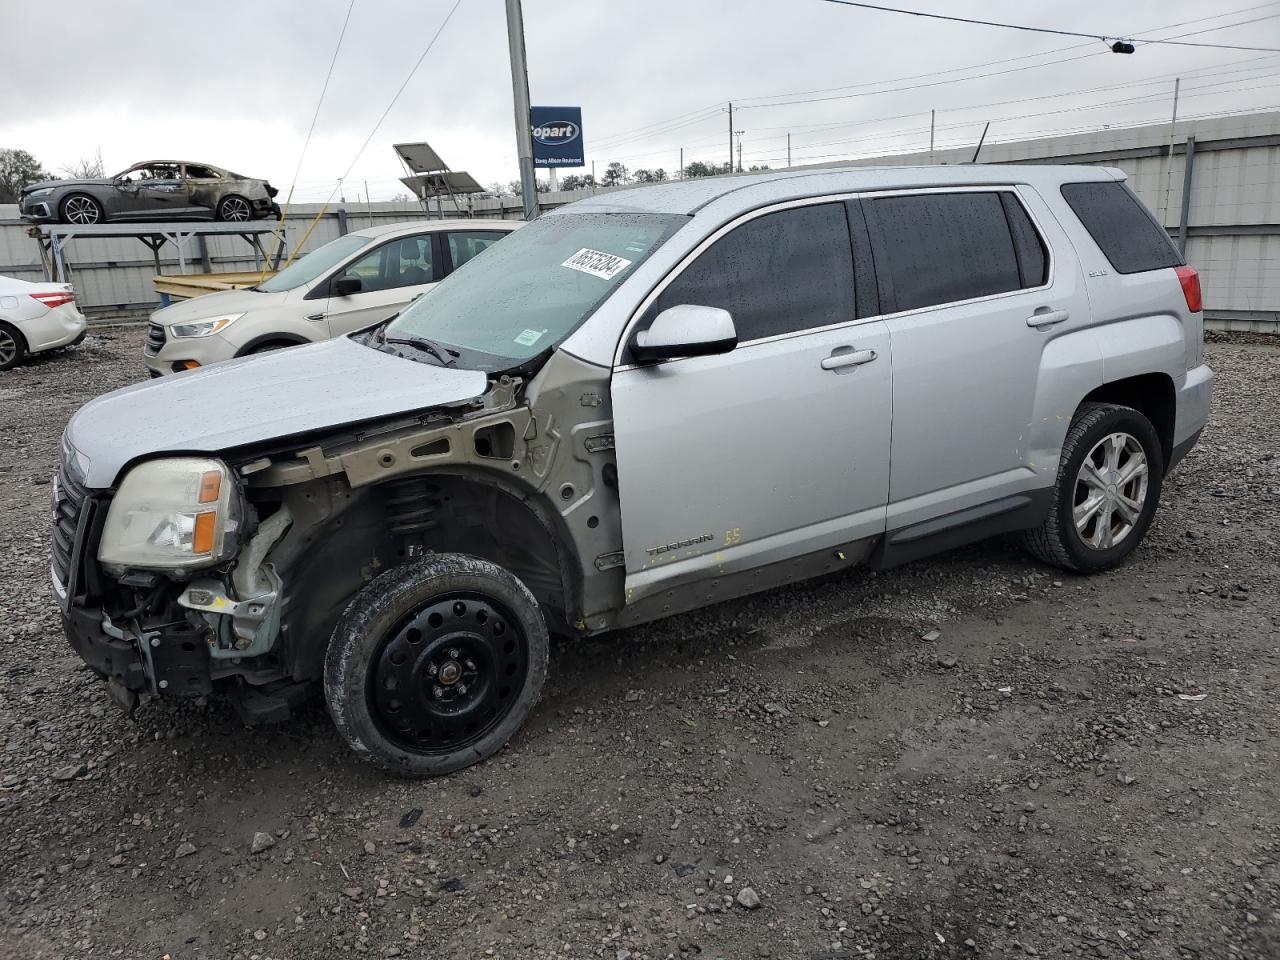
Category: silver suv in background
<point>349,283</point>
<point>640,404</point>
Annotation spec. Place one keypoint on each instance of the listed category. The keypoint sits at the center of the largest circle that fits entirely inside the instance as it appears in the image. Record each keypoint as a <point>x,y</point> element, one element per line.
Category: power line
<point>1028,29</point>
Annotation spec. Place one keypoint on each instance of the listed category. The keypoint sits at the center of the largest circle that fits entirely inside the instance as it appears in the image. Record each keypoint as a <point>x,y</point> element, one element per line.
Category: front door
<point>390,275</point>
<point>776,449</point>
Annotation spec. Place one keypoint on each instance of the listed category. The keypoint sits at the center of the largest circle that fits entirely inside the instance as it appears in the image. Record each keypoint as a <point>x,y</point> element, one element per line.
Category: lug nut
<point>462,688</point>
<point>453,653</point>
<point>432,669</point>
<point>437,691</point>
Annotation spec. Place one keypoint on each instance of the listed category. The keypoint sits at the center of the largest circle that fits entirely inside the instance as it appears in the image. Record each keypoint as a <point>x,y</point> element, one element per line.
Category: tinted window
<point>464,246</point>
<point>1033,262</point>
<point>941,247</point>
<point>318,261</point>
<point>782,272</point>
<point>1121,226</point>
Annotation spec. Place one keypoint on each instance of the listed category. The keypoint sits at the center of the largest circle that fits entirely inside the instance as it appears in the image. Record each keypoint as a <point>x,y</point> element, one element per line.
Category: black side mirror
<point>345,286</point>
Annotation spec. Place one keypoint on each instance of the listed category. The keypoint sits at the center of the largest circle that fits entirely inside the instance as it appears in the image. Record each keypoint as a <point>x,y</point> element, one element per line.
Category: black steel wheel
<point>436,664</point>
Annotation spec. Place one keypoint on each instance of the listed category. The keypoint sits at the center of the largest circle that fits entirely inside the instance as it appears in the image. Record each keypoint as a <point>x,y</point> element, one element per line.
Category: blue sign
<point>557,136</point>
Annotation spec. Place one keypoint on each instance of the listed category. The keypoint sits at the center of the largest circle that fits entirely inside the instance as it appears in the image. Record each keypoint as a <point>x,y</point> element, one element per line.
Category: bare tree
<point>86,168</point>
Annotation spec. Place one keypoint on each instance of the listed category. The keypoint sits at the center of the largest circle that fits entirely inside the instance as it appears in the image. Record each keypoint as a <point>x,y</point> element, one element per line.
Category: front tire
<point>1108,487</point>
<point>80,208</point>
<point>436,664</point>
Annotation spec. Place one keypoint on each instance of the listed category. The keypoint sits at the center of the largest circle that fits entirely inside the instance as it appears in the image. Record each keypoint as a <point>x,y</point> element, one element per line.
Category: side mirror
<point>346,285</point>
<point>686,330</point>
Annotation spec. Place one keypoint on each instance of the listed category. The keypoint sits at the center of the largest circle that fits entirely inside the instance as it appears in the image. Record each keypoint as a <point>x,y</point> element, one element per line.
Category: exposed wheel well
<point>1152,395</point>
<point>387,525</point>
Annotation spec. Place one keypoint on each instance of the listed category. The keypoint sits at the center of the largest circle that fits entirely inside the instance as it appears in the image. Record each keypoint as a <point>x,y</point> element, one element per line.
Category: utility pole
<point>932,117</point>
<point>788,149</point>
<point>682,163</point>
<point>520,88</point>
<point>731,136</point>
<point>1168,160</point>
<point>740,132</point>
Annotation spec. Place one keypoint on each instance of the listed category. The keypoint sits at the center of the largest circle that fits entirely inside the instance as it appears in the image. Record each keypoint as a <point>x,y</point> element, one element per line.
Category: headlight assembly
<point>172,514</point>
<point>204,328</point>
<point>42,192</point>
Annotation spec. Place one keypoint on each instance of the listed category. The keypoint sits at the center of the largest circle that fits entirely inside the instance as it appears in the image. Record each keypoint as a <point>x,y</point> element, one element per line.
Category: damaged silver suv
<point>641,404</point>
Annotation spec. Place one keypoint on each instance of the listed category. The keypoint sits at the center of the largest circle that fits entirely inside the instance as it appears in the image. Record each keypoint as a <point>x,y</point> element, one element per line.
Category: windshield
<point>533,289</point>
<point>317,262</point>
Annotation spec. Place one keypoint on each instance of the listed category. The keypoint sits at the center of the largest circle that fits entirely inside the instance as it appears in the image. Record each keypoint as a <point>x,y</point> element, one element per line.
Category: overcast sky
<point>235,82</point>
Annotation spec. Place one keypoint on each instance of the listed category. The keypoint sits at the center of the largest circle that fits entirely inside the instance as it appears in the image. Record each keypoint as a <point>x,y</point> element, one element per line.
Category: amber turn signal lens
<point>206,526</point>
<point>210,484</point>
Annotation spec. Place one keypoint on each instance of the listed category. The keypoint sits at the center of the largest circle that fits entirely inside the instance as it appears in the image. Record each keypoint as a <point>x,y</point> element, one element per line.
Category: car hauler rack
<point>54,238</point>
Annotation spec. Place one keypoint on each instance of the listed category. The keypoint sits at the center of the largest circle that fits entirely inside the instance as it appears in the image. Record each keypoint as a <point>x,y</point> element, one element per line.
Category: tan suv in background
<point>348,283</point>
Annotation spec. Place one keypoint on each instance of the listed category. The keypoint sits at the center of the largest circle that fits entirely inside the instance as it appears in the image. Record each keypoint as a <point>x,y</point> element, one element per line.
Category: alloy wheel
<point>235,208</point>
<point>83,210</point>
<point>449,674</point>
<point>8,347</point>
<point>1110,491</point>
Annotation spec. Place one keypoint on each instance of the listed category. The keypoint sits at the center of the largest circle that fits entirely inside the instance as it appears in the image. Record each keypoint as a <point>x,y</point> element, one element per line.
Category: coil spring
<point>411,504</point>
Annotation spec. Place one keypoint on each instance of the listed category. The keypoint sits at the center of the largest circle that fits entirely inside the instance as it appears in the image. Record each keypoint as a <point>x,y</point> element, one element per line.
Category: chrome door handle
<point>851,359</point>
<point>1048,318</point>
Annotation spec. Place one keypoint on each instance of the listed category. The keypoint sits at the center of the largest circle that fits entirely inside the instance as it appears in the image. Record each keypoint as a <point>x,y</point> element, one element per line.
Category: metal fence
<point>1228,221</point>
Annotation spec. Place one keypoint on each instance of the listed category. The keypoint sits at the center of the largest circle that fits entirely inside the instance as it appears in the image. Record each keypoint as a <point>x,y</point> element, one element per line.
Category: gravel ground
<point>973,756</point>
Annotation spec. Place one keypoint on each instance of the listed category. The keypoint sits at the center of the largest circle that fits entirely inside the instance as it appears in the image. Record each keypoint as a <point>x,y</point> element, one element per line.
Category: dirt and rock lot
<point>971,756</point>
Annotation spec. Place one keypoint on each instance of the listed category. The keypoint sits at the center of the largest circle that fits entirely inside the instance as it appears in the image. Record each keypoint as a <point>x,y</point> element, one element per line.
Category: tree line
<point>617,174</point>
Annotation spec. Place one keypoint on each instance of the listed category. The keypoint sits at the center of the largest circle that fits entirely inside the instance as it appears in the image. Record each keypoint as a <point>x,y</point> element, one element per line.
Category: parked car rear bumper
<point>55,328</point>
<point>1193,401</point>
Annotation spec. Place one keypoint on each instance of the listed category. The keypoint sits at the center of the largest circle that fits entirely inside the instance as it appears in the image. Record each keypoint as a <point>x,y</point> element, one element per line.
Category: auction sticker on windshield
<point>603,265</point>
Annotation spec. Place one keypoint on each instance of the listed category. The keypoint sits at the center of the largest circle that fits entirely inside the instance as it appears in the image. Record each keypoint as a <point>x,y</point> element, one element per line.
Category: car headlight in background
<point>42,192</point>
<point>175,513</point>
<point>204,328</point>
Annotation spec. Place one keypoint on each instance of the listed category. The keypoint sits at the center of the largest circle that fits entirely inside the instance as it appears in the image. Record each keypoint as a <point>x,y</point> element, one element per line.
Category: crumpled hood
<point>265,397</point>
<point>218,304</point>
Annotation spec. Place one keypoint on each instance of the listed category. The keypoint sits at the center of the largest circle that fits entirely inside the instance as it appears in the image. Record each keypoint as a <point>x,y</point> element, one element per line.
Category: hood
<point>271,396</point>
<point>217,304</point>
<point>86,182</point>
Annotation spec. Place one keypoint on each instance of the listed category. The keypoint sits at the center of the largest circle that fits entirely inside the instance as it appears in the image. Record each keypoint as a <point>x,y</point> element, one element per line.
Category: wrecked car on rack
<point>638,405</point>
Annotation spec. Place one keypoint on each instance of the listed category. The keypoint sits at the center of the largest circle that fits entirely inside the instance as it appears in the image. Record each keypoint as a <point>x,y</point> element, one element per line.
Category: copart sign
<point>557,136</point>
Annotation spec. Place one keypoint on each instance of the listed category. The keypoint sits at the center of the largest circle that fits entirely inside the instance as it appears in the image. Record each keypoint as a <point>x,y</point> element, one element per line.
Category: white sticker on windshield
<point>529,337</point>
<point>603,265</point>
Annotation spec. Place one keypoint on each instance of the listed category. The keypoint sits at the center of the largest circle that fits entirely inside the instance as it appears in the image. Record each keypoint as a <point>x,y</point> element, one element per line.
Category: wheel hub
<point>1111,491</point>
<point>448,675</point>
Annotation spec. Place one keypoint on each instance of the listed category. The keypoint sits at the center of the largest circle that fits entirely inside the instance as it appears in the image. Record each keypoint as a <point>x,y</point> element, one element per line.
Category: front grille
<point>155,338</point>
<point>68,501</point>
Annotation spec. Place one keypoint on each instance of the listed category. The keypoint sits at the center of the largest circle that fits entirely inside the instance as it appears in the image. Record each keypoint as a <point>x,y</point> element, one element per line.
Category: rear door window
<point>463,245</point>
<point>1126,233</point>
<point>780,273</point>
<point>935,248</point>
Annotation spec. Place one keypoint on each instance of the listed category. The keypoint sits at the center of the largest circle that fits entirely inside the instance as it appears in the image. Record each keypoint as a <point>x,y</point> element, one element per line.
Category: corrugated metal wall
<point>1233,228</point>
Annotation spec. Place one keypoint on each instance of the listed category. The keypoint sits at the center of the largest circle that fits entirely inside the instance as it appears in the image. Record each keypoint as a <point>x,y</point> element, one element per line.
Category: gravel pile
<point>969,756</point>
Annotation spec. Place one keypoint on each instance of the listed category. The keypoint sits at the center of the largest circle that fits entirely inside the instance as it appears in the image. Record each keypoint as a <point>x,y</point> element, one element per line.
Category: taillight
<point>1190,281</point>
<point>52,300</point>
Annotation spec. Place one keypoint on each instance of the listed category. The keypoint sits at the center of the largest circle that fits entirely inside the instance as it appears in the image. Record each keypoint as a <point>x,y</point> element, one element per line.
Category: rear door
<point>973,294</point>
<point>776,449</point>
<point>391,275</point>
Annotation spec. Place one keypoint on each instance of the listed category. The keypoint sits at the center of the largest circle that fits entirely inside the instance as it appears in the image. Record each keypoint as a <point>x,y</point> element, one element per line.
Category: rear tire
<point>1107,490</point>
<point>234,208</point>
<point>436,664</point>
<point>13,347</point>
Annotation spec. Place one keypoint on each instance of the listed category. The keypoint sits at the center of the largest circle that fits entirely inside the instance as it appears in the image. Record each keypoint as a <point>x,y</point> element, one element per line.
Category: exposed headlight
<point>204,328</point>
<point>42,192</point>
<point>174,513</point>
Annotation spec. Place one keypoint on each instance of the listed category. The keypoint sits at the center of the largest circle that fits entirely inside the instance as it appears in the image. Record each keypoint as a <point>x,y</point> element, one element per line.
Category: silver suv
<point>638,405</point>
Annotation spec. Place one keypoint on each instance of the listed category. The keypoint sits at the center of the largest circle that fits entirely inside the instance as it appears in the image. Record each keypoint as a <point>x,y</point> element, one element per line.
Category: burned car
<point>155,190</point>
<point>637,405</point>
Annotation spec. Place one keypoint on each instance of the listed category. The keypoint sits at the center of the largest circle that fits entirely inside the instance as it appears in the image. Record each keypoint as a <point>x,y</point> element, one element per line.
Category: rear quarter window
<point>1124,230</point>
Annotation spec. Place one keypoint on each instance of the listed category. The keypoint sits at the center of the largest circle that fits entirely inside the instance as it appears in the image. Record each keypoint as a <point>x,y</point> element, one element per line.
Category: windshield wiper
<point>446,356</point>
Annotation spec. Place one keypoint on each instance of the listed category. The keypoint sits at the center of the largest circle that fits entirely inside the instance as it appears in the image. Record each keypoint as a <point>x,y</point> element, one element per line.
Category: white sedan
<point>35,317</point>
